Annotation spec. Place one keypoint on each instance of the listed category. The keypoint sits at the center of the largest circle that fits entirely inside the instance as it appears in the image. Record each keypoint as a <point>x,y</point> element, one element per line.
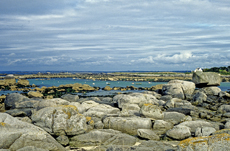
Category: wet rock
<point>107,88</point>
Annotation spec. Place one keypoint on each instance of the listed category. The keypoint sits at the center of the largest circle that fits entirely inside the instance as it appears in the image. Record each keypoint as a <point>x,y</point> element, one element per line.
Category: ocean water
<point>225,86</point>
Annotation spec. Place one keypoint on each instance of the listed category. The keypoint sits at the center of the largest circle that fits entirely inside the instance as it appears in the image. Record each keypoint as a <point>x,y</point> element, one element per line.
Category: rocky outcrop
<point>61,120</point>
<point>33,94</point>
<point>23,82</point>
<point>16,135</point>
<point>178,88</point>
<point>218,142</point>
<point>102,137</point>
<point>128,125</point>
<point>126,121</point>
<point>202,79</point>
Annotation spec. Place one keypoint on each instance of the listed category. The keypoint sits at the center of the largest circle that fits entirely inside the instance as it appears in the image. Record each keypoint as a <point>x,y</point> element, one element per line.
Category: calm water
<point>62,81</point>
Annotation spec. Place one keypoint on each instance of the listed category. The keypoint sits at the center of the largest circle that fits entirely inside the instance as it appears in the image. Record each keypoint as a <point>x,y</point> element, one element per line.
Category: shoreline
<point>118,76</point>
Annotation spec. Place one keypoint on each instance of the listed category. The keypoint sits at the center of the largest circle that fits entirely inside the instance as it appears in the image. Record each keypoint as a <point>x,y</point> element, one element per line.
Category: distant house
<point>198,69</point>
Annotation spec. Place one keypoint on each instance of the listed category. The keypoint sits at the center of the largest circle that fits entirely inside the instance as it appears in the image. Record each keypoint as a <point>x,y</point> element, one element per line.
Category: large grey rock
<point>18,101</point>
<point>107,109</point>
<point>131,109</point>
<point>218,142</point>
<point>174,117</point>
<point>128,125</point>
<point>147,134</point>
<point>50,103</point>
<point>199,98</point>
<point>62,120</point>
<point>15,135</point>
<point>174,89</point>
<point>193,125</point>
<point>151,111</point>
<point>20,112</point>
<point>203,79</point>
<point>187,86</point>
<point>204,131</point>
<point>224,109</point>
<point>211,90</point>
<point>70,97</point>
<point>102,137</point>
<point>161,124</point>
<point>135,98</point>
<point>179,132</point>
<point>180,103</point>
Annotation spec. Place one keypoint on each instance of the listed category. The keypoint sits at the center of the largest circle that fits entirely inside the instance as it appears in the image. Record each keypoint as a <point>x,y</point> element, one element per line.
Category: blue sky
<point>114,35</point>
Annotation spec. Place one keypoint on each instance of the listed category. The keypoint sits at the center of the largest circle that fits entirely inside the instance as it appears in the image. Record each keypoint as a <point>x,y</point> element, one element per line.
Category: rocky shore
<point>178,116</point>
<point>151,77</point>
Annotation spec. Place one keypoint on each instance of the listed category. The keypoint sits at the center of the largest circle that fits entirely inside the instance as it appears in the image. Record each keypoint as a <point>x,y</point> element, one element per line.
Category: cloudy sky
<point>114,35</point>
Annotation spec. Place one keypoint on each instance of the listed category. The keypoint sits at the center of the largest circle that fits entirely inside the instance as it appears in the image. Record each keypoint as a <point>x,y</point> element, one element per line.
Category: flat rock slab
<point>128,125</point>
<point>203,79</point>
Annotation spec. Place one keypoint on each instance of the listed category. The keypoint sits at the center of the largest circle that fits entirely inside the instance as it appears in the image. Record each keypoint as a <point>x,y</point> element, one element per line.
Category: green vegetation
<point>221,70</point>
<point>131,73</point>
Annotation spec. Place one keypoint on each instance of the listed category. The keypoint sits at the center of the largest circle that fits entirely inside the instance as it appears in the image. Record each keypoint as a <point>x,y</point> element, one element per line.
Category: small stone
<point>64,140</point>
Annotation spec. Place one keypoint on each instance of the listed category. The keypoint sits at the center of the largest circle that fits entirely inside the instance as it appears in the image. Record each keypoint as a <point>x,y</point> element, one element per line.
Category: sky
<point>114,35</point>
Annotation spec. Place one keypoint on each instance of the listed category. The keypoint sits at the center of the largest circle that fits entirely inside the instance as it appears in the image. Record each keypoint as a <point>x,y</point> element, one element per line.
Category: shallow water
<point>62,81</point>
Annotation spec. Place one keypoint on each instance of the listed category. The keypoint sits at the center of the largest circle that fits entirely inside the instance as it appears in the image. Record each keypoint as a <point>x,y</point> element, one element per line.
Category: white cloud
<point>166,33</point>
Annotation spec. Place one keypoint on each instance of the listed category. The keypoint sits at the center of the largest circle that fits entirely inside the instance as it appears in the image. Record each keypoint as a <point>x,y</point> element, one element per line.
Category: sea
<point>224,86</point>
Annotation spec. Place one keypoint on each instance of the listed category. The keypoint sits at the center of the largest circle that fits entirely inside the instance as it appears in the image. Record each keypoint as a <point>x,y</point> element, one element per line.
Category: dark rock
<point>185,111</point>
